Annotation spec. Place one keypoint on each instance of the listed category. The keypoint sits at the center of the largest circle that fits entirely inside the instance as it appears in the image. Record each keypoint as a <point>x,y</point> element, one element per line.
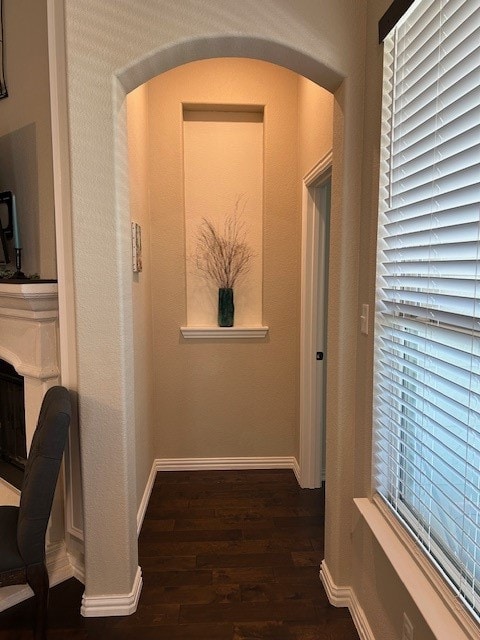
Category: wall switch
<point>364,319</point>
<point>407,628</point>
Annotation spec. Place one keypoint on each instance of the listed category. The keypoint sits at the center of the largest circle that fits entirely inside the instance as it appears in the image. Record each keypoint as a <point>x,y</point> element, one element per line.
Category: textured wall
<point>137,122</point>
<point>379,590</point>
<point>315,124</point>
<point>134,41</point>
<point>226,398</point>
<point>25,133</point>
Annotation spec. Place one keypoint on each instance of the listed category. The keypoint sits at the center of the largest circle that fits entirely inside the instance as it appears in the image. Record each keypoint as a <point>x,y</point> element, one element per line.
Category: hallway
<point>225,555</point>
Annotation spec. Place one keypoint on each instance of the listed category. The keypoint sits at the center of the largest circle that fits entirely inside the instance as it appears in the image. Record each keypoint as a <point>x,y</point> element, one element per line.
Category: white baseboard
<point>115,605</point>
<point>223,464</point>
<point>296,469</point>
<point>227,464</point>
<point>346,597</point>
<point>123,605</point>
<point>78,566</point>
<point>146,496</point>
<point>58,567</point>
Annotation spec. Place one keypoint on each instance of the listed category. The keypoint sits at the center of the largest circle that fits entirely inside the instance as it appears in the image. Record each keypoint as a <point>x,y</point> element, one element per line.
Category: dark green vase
<point>226,308</point>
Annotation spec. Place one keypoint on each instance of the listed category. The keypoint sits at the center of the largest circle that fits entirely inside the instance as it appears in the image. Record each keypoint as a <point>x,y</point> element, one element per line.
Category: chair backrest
<point>41,474</point>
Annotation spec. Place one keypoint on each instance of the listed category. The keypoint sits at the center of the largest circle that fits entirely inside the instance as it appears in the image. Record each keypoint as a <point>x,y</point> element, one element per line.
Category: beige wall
<point>223,157</point>
<point>119,45</point>
<point>315,124</point>
<point>138,146</point>
<point>226,398</point>
<point>25,132</point>
<point>299,132</point>
<point>379,590</point>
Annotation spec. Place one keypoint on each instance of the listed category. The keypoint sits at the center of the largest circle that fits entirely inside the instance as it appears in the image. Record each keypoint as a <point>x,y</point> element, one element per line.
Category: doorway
<point>313,356</point>
<point>95,132</point>
<point>240,397</point>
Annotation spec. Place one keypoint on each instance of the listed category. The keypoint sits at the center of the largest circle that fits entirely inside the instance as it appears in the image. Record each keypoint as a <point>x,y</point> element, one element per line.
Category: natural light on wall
<point>427,340</point>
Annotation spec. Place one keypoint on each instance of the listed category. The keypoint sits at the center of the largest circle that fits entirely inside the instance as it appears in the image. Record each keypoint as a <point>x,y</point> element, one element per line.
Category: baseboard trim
<point>58,567</point>
<point>78,567</point>
<point>146,496</point>
<point>345,597</point>
<point>227,464</point>
<point>58,563</point>
<point>116,605</point>
<point>223,464</point>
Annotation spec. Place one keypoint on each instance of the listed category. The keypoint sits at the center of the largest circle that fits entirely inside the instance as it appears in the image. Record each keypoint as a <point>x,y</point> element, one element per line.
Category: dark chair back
<point>41,474</point>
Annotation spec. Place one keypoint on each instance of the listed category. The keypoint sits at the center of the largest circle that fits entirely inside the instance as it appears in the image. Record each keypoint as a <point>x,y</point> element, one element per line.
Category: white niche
<point>223,164</point>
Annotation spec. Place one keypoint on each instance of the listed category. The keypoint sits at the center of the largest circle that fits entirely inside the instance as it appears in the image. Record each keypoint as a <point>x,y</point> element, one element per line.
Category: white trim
<point>226,464</point>
<point>310,448</point>
<point>78,567</point>
<point>443,613</point>
<point>146,496</point>
<point>116,605</point>
<point>318,168</point>
<point>337,596</point>
<point>58,563</point>
<point>58,567</point>
<point>296,470</point>
<point>37,301</point>
<point>346,597</point>
<point>194,464</point>
<point>64,246</point>
<point>229,333</point>
<point>73,530</point>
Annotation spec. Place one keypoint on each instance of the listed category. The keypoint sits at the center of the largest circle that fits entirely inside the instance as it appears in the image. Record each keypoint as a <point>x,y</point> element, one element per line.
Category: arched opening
<point>102,184</point>
<point>200,136</point>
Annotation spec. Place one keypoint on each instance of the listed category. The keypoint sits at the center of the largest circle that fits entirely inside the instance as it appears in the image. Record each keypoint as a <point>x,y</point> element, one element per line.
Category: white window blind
<point>427,335</point>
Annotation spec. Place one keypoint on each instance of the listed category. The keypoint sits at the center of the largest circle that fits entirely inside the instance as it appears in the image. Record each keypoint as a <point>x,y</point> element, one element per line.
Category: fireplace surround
<point>28,342</point>
<point>13,446</point>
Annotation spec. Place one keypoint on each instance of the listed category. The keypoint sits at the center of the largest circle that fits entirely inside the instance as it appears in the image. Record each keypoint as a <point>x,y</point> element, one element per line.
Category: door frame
<point>311,441</point>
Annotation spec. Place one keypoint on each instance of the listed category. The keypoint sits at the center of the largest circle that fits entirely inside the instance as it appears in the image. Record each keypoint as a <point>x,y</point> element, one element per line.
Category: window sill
<point>229,333</point>
<point>445,615</point>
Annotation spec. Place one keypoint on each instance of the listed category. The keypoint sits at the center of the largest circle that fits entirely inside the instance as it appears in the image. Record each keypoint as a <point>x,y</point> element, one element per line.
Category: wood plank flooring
<point>225,555</point>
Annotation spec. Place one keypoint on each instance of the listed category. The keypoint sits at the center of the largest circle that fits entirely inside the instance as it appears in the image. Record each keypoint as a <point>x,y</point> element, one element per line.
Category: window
<point>427,335</point>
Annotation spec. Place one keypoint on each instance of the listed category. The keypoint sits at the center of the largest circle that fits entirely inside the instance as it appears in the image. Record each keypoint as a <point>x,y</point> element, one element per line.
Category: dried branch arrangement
<point>223,257</point>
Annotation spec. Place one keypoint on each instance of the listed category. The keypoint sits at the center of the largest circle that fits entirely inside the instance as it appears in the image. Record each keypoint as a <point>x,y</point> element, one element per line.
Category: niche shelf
<point>229,333</point>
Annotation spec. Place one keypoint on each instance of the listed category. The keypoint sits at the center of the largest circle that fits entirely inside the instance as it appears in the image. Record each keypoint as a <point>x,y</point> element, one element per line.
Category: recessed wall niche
<point>223,151</point>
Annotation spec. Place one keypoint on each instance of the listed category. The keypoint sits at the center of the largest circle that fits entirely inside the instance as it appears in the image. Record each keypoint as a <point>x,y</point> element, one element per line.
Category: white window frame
<point>466,625</point>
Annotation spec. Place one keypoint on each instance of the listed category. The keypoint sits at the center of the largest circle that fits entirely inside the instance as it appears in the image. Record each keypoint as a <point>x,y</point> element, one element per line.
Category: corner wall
<point>315,125</point>
<point>380,592</point>
<point>126,44</point>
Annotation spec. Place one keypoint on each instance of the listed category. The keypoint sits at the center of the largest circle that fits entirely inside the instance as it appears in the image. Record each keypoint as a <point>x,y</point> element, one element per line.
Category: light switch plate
<point>364,319</point>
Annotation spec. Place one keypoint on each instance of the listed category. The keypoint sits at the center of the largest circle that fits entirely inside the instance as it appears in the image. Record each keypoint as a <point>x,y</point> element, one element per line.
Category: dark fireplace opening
<point>13,444</point>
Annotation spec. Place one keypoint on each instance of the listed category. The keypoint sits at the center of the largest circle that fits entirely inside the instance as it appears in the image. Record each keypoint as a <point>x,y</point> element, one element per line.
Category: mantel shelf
<point>229,333</point>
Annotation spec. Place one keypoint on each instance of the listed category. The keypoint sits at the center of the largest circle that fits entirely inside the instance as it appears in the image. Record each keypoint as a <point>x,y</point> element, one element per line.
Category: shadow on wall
<point>19,174</point>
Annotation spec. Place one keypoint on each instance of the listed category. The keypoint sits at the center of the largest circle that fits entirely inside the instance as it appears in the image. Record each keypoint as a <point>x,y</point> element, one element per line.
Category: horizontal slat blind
<point>427,334</point>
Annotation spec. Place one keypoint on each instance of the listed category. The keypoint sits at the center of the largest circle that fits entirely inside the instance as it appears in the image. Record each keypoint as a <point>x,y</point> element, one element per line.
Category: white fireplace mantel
<point>28,340</point>
<point>34,300</point>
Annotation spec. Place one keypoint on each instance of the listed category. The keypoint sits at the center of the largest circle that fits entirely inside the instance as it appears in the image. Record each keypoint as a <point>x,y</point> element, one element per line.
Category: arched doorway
<point>98,151</point>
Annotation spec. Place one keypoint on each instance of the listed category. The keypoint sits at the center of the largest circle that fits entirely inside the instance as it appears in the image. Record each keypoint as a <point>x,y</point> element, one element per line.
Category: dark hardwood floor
<point>225,555</point>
